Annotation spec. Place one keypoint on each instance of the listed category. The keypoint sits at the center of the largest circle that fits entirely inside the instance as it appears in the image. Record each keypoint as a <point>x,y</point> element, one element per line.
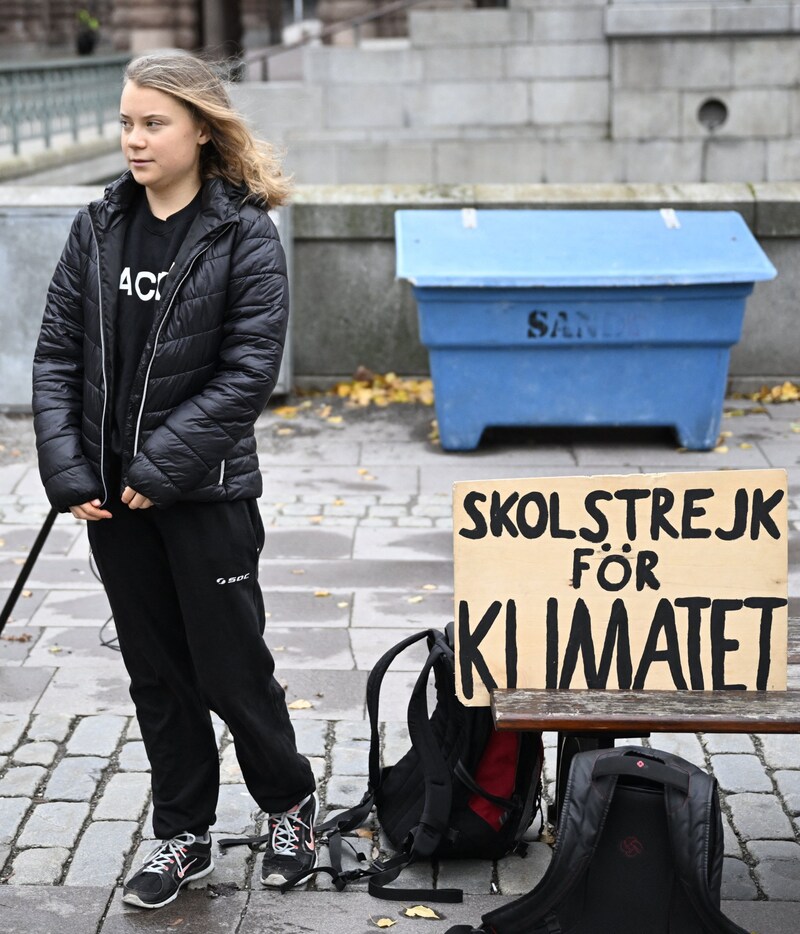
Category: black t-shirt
<point>150,248</point>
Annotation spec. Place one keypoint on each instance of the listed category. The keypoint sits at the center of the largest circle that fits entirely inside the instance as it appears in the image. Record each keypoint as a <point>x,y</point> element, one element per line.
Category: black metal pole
<point>41,538</point>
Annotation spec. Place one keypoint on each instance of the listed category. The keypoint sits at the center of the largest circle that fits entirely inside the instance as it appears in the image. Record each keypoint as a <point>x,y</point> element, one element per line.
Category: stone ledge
<point>711,19</point>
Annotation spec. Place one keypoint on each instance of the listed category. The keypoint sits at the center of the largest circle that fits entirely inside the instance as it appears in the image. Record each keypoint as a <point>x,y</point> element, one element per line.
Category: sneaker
<point>171,864</point>
<point>291,847</point>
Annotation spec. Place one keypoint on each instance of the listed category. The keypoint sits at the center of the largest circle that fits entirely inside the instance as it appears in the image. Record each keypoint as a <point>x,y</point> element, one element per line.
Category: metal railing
<point>256,61</point>
<point>45,99</point>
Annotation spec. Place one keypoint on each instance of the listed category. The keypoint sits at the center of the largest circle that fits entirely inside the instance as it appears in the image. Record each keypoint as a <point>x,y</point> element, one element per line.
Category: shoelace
<point>168,852</point>
<point>285,839</point>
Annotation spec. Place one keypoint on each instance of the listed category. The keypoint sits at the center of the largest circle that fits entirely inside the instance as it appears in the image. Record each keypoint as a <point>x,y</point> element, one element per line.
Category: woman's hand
<point>90,511</point>
<point>134,500</point>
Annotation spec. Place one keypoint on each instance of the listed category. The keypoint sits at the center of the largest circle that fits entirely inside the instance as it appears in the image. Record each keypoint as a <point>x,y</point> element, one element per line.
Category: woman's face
<point>160,139</point>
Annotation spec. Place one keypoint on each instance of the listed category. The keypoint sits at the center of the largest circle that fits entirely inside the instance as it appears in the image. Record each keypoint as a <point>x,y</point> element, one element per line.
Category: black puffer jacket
<point>207,370</point>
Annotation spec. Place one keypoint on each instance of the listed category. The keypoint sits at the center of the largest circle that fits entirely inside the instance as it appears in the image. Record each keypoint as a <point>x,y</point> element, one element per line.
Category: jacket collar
<point>219,202</point>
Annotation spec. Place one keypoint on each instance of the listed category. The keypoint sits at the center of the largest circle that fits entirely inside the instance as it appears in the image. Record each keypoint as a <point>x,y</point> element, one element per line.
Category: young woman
<point>160,346</point>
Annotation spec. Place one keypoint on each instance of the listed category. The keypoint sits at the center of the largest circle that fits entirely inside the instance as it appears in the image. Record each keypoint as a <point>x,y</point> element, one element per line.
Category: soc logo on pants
<point>233,580</point>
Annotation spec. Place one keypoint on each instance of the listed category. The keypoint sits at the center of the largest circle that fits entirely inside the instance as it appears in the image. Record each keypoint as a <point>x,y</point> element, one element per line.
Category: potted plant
<point>88,32</point>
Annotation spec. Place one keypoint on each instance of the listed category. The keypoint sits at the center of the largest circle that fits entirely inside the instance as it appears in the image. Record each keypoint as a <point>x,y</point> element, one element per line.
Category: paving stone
<point>740,773</point>
<point>134,730</point>
<point>788,783</point>
<point>319,767</point>
<point>85,692</point>
<point>235,810</point>
<point>87,608</point>
<point>302,647</point>
<point>517,875</point>
<point>728,742</point>
<point>193,913</point>
<point>778,869</point>
<point>730,842</point>
<point>350,731</point>
<point>21,781</point>
<point>229,770</point>
<point>36,753</point>
<point>75,778</point>
<point>232,866</point>
<point>124,797</point>
<point>17,644</point>
<point>310,736</point>
<point>396,741</point>
<point>38,866</point>
<point>100,856</point>
<point>77,647</point>
<point>51,909</point>
<point>96,736</point>
<point>133,758</point>
<point>403,544</point>
<point>298,543</point>
<point>759,817</point>
<point>11,730</point>
<point>12,812</point>
<point>686,745</point>
<point>376,609</point>
<point>780,751</point>
<point>472,876</point>
<point>736,881</point>
<point>52,726</point>
<point>336,695</point>
<point>20,690</point>
<point>343,791</point>
<point>54,824</point>
<point>300,610</point>
<point>350,759</point>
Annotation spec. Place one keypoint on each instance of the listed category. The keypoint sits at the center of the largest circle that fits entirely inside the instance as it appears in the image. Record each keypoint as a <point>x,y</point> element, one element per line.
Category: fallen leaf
<point>322,593</point>
<point>726,434</point>
<point>733,413</point>
<point>721,449</point>
<point>363,471</point>
<point>298,570</point>
<point>268,616</point>
<point>430,587</point>
<point>364,833</point>
<point>342,604</point>
<point>383,922</point>
<point>745,446</point>
<point>55,649</point>
<point>315,520</point>
<point>22,637</point>
<point>300,705</point>
<point>795,426</point>
<point>786,392</point>
<point>19,561</point>
<point>421,911</point>
<point>335,420</point>
<point>338,502</point>
<point>2,543</point>
<point>286,411</point>
<point>278,648</point>
<point>27,593</point>
<point>417,599</point>
<point>285,431</point>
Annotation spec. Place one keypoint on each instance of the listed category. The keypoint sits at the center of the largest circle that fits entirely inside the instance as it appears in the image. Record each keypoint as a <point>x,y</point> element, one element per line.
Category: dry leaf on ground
<point>421,911</point>
<point>300,705</point>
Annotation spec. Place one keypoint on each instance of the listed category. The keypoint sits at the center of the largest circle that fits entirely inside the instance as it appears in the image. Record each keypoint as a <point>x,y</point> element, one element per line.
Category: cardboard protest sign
<point>661,581</point>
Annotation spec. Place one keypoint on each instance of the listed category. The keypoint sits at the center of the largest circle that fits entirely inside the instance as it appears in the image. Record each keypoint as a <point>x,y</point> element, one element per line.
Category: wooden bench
<point>593,719</point>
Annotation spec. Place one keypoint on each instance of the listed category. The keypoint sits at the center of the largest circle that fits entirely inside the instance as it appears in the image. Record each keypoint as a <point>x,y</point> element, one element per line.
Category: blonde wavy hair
<point>232,153</point>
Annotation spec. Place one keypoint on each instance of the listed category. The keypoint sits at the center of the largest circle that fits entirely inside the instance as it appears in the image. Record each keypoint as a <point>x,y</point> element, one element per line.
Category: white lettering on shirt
<point>144,277</point>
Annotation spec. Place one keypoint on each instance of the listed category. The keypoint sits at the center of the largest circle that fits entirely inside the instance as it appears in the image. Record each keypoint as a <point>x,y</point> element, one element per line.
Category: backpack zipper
<point>158,334</point>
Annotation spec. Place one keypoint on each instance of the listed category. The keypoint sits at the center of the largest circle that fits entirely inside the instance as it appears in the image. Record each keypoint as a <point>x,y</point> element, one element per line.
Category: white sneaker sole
<point>131,898</point>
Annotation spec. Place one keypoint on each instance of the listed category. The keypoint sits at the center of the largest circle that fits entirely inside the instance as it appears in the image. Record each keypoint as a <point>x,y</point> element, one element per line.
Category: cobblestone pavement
<point>358,554</point>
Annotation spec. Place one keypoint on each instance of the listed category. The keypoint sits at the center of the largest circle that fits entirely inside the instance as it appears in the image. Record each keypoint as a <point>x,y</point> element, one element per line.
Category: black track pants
<point>182,584</point>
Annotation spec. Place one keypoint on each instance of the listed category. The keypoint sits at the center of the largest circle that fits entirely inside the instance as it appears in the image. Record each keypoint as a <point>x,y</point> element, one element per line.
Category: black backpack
<point>463,790</point>
<point>639,848</point>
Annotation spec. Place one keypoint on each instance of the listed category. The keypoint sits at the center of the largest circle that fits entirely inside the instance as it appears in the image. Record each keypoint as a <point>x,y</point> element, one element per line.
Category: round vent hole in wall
<point>712,113</point>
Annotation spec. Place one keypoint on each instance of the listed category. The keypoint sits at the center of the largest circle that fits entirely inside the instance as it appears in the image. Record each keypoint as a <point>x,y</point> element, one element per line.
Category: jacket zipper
<point>221,473</point>
<point>158,334</point>
<point>103,357</point>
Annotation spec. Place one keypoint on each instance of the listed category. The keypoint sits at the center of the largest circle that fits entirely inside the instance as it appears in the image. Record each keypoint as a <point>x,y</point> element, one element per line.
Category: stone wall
<point>347,307</point>
<point>550,91</point>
